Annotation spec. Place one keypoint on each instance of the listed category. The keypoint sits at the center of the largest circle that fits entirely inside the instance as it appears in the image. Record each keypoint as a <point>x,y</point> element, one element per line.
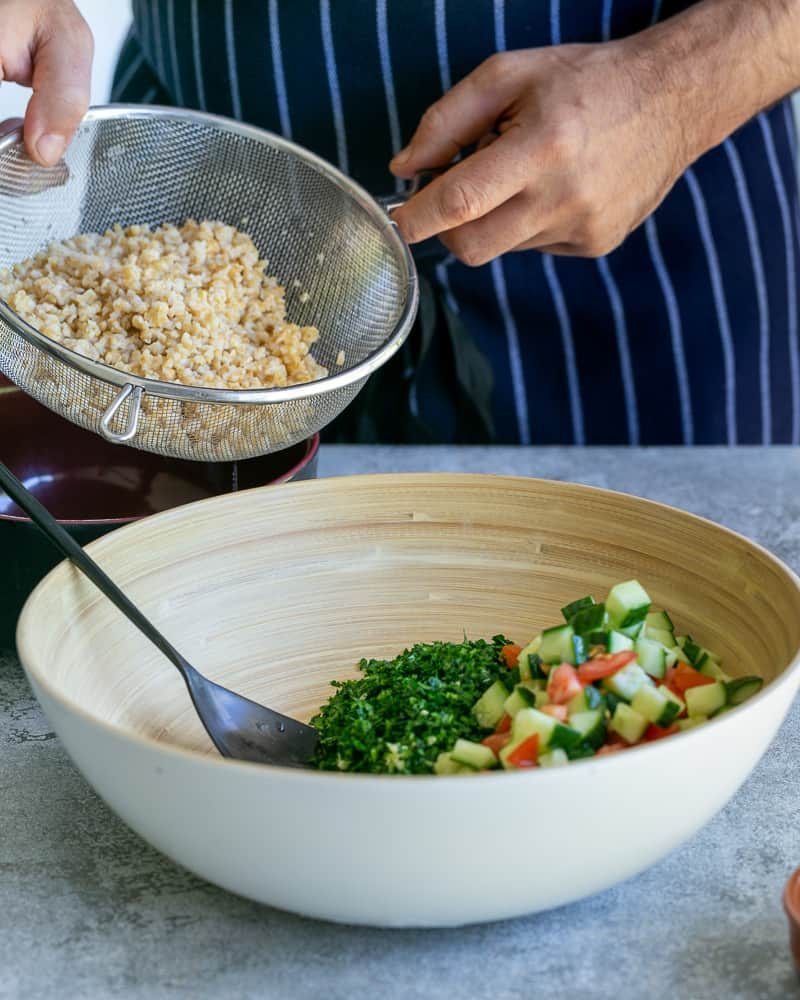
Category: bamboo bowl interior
<point>275,592</point>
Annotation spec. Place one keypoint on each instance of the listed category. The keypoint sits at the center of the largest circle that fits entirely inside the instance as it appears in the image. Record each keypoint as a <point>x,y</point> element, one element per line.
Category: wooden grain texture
<point>274,592</point>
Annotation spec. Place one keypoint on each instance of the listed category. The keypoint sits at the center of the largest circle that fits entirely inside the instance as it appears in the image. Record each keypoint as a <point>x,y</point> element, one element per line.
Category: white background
<point>109,20</point>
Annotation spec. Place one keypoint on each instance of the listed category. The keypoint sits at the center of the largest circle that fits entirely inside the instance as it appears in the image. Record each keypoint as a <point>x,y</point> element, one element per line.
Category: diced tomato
<point>658,732</point>
<point>504,725</point>
<point>511,655</point>
<point>608,748</point>
<point>669,682</point>
<point>557,711</point>
<point>526,754</point>
<point>682,677</point>
<point>563,684</point>
<point>496,742</point>
<point>604,665</point>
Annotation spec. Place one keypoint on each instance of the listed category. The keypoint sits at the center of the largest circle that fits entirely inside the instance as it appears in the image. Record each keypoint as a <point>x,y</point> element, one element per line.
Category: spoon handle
<point>67,545</point>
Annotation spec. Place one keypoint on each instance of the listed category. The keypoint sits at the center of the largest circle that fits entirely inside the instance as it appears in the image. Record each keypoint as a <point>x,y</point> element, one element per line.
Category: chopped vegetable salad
<point>611,676</point>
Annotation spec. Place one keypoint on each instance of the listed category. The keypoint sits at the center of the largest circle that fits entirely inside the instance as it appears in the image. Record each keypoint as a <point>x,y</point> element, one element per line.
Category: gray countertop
<point>88,910</point>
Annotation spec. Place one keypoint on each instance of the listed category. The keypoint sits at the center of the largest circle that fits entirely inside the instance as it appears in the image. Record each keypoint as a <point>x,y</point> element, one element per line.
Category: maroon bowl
<point>791,903</point>
<point>92,487</point>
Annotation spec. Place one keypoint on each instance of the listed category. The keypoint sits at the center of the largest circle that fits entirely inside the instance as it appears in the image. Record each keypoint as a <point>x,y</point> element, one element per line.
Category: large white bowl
<point>274,592</point>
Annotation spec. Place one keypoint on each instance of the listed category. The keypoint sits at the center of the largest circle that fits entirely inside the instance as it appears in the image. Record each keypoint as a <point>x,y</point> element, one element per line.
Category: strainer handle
<point>389,202</point>
<point>136,393</point>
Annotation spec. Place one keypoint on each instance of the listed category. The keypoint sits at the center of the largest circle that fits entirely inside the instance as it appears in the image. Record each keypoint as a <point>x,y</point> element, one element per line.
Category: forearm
<point>719,63</point>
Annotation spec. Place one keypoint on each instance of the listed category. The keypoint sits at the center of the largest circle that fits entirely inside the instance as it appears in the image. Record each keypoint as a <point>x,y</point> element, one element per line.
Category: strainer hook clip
<point>131,426</point>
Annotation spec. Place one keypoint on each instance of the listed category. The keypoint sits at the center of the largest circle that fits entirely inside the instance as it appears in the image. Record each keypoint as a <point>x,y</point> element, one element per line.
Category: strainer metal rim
<point>201,394</point>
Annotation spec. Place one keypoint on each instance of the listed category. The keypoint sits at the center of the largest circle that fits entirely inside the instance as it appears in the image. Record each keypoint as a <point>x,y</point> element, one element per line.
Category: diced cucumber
<point>530,721</point>
<point>660,620</point>
<point>691,722</point>
<point>525,660</point>
<point>671,696</point>
<point>619,643</point>
<point>628,723</point>
<point>593,698</point>
<point>489,708</point>
<point>742,688</point>
<point>652,657</point>
<point>570,610</point>
<point>473,755</point>
<point>706,700</point>
<point>585,701</point>
<point>578,649</point>
<point>665,638</point>
<point>626,682</point>
<point>520,697</point>
<point>526,723</point>
<point>679,655</point>
<point>580,702</point>
<point>700,659</point>
<point>712,669</point>
<point>551,733</point>
<point>588,619</point>
<point>599,638</point>
<point>680,640</point>
<point>633,631</point>
<point>591,726</point>
<point>536,692</point>
<point>698,655</point>
<point>628,604</point>
<point>557,645</point>
<point>446,765</point>
<point>564,736</point>
<point>554,758</point>
<point>654,706</point>
<point>534,688</point>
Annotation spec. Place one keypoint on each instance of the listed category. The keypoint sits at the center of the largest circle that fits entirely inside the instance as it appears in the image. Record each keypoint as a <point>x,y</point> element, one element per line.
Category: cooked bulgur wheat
<point>190,304</point>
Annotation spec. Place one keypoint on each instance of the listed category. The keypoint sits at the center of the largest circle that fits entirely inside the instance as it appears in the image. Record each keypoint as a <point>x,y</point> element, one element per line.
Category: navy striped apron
<point>687,334</point>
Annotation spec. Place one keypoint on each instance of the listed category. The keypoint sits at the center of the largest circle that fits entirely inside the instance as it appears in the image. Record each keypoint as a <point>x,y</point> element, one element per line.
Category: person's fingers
<point>542,244</point>
<point>504,229</point>
<point>62,65</point>
<point>467,191</point>
<point>582,244</point>
<point>461,117</point>
<point>487,140</point>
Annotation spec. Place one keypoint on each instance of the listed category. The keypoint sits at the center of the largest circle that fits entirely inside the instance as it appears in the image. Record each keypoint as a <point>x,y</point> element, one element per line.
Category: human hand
<point>588,143</point>
<point>47,45</point>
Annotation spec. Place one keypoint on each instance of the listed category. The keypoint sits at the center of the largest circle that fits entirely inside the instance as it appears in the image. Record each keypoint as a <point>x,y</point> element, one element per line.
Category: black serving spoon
<point>238,727</point>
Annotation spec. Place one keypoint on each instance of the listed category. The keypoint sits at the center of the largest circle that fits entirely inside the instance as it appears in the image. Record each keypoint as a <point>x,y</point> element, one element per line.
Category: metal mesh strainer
<point>318,230</point>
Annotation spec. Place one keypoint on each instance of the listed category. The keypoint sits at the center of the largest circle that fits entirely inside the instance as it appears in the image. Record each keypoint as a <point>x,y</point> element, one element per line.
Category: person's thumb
<point>62,67</point>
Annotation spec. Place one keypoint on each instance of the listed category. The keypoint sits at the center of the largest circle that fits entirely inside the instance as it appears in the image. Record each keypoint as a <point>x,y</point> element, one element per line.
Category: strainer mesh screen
<point>158,167</point>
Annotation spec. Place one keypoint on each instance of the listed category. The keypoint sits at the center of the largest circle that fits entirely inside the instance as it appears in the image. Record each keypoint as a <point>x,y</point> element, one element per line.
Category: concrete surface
<point>87,910</point>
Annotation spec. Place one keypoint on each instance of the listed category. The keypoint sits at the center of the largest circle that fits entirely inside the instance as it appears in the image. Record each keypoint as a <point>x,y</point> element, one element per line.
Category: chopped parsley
<point>402,713</point>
